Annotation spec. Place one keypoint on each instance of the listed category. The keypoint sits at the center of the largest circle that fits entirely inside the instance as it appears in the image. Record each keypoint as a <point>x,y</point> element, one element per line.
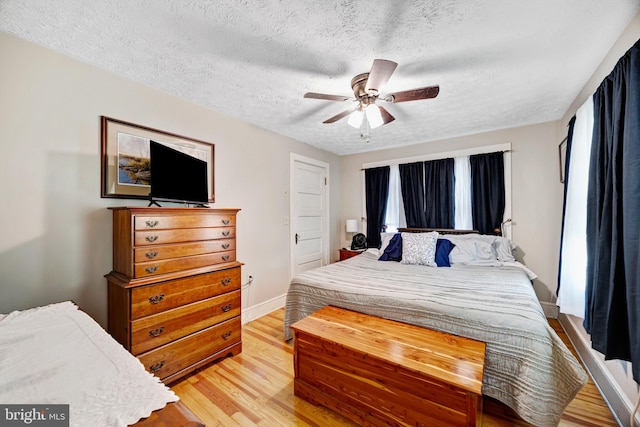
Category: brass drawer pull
<point>226,335</point>
<point>151,239</point>
<point>226,221</point>
<point>225,257</point>
<point>151,255</point>
<point>225,233</point>
<point>226,307</point>
<point>156,332</point>
<point>156,367</point>
<point>156,299</point>
<point>151,269</point>
<point>226,281</point>
<point>151,223</point>
<point>225,246</point>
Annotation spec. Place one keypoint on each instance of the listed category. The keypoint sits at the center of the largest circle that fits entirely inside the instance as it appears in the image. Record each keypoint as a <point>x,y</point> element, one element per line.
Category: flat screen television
<point>176,176</point>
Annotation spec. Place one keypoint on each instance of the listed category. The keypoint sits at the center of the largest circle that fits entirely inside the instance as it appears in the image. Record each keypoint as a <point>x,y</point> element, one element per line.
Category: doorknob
<point>297,237</point>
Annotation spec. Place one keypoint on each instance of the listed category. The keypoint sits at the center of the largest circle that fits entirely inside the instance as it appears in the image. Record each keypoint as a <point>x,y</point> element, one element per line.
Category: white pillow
<point>419,248</point>
<point>471,250</point>
<point>385,238</point>
<point>504,248</point>
<point>479,248</point>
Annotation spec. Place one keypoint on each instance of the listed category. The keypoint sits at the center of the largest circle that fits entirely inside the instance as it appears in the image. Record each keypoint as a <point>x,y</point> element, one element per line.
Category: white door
<point>309,214</point>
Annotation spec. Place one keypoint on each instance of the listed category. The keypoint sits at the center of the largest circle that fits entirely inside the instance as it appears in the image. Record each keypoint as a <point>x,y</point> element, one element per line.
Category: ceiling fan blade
<point>339,116</point>
<point>386,116</point>
<point>327,97</point>
<point>413,94</point>
<point>379,75</point>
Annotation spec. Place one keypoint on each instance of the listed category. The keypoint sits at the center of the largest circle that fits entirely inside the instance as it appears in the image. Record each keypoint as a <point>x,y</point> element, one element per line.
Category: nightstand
<point>348,253</point>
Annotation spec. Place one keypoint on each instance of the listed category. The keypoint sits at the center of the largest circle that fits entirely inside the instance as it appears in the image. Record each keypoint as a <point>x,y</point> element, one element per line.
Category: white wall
<point>536,190</point>
<point>55,230</point>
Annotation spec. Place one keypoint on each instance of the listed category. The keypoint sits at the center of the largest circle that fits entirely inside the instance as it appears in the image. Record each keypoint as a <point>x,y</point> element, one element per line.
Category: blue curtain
<point>613,216</point>
<point>376,194</point>
<point>439,184</point>
<point>572,123</point>
<point>487,191</point>
<point>412,187</point>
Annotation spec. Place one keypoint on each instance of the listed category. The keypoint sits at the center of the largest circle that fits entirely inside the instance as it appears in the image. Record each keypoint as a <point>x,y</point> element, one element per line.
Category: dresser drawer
<point>183,221</point>
<point>156,298</point>
<point>158,237</point>
<point>154,268</point>
<point>159,252</point>
<point>153,331</point>
<point>177,355</point>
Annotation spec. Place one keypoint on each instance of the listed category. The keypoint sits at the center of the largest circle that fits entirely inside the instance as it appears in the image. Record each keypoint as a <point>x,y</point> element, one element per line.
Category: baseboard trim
<point>266,307</point>
<point>550,309</point>
<point>617,402</point>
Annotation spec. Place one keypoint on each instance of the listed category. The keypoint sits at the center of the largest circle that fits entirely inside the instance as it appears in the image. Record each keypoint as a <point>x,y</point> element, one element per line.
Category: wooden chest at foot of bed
<point>381,372</point>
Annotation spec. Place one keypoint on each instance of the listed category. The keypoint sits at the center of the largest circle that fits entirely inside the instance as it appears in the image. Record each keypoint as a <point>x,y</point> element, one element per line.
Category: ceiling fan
<point>366,89</point>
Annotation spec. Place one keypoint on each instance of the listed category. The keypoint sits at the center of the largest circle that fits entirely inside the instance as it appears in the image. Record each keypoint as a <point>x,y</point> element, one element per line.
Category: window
<point>395,218</point>
<point>573,269</point>
<point>395,208</point>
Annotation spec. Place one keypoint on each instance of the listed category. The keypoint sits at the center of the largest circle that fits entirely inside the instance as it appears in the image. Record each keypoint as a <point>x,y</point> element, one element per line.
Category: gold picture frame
<point>125,161</point>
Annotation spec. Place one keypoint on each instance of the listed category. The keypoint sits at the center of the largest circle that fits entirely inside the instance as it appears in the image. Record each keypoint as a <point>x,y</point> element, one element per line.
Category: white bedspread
<point>527,366</point>
<point>57,354</point>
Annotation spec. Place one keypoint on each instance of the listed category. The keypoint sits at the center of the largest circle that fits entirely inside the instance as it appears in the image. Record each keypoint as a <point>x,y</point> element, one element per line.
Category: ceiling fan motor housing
<point>358,84</point>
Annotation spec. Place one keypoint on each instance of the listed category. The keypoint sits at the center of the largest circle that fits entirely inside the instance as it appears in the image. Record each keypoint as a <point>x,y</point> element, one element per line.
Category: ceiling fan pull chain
<point>365,130</point>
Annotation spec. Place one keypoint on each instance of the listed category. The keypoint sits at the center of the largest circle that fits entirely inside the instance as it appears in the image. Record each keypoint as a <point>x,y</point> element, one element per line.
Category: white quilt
<point>57,354</point>
<point>527,366</point>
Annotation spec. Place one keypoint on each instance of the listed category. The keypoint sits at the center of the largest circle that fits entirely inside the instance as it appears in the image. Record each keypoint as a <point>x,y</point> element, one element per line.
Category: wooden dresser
<point>174,292</point>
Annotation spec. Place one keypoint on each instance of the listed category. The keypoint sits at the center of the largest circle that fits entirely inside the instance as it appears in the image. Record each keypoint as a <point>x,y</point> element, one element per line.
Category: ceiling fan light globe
<point>355,119</point>
<point>374,117</point>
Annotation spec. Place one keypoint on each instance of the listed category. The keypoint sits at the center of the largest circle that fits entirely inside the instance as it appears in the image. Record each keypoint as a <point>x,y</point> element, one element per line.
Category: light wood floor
<point>255,388</point>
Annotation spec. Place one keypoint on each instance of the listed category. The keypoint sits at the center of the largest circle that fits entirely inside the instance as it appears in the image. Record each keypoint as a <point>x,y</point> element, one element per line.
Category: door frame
<point>293,159</point>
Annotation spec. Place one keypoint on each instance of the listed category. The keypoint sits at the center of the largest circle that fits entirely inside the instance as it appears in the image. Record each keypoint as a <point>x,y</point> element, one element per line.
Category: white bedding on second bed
<point>57,354</point>
<point>527,365</point>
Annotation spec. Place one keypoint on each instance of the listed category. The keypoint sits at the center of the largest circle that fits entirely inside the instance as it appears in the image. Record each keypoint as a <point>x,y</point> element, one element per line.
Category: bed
<point>484,294</point>
<point>58,355</point>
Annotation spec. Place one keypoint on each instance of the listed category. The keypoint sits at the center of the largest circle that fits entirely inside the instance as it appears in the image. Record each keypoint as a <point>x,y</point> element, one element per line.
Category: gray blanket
<point>527,366</point>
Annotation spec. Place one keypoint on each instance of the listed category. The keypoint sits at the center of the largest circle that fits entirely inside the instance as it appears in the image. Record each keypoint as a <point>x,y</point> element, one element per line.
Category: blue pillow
<point>393,251</point>
<point>443,248</point>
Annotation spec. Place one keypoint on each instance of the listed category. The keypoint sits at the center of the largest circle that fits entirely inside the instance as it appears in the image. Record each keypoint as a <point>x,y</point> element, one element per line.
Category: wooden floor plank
<point>255,388</point>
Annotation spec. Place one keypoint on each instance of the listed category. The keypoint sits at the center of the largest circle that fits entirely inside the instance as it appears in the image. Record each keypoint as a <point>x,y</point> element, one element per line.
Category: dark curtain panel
<point>376,193</point>
<point>440,195</point>
<point>572,123</point>
<point>412,188</point>
<point>613,216</point>
<point>487,191</point>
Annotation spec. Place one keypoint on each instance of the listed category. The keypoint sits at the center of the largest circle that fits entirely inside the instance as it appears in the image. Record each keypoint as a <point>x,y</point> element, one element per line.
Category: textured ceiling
<point>499,63</point>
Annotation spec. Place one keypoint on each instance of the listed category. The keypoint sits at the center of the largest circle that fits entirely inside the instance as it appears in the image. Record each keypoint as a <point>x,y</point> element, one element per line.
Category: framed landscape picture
<point>125,162</point>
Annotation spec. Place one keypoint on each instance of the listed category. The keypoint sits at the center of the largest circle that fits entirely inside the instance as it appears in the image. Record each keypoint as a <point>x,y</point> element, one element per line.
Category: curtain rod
<point>419,161</point>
